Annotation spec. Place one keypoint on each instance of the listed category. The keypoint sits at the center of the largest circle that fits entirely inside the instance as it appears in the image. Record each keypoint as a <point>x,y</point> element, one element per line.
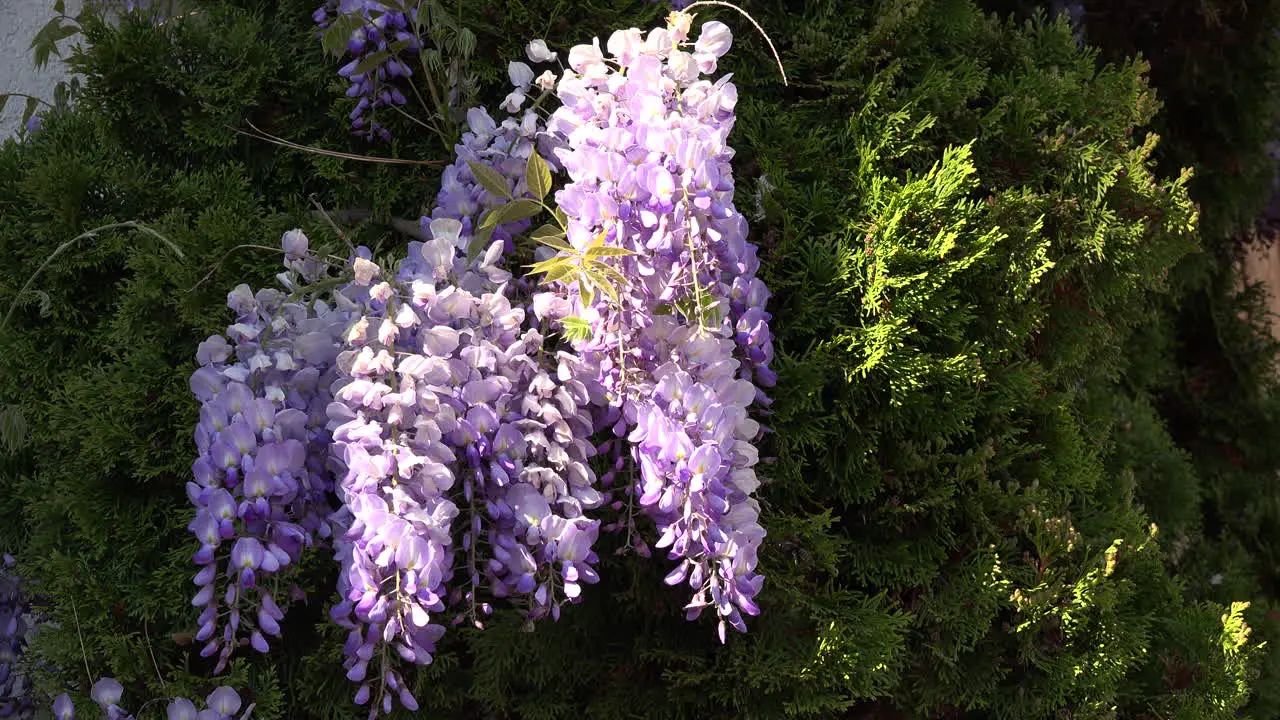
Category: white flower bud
<point>538,51</point>
<point>381,292</point>
<point>513,101</point>
<point>294,243</point>
<point>521,75</point>
<point>588,60</point>
<point>679,23</point>
<point>365,271</point>
<point>625,45</point>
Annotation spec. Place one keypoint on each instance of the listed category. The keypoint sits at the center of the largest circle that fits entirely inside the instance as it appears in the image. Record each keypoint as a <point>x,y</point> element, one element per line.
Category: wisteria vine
<point>458,434</point>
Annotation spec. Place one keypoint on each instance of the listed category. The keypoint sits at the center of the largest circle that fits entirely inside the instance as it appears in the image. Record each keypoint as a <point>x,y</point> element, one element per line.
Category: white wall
<point>19,21</point>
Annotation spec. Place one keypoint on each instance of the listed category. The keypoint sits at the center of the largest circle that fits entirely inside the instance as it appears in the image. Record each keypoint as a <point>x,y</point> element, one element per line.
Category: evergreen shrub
<point>976,501</point>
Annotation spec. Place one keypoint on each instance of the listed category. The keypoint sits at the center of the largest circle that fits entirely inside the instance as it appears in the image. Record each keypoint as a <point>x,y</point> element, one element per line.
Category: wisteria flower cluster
<point>380,39</point>
<point>221,704</point>
<point>681,341</point>
<point>451,408</point>
<point>261,487</point>
<point>459,434</point>
<point>15,691</point>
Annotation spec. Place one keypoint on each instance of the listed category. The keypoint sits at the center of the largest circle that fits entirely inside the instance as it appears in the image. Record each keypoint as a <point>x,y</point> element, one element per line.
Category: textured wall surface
<point>19,21</point>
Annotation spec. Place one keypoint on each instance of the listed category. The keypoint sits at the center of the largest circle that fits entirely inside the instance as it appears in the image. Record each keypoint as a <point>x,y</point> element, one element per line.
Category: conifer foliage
<point>967,250</point>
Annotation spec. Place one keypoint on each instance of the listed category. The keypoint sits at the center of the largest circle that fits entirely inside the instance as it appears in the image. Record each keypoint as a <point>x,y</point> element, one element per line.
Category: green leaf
<point>552,237</point>
<point>575,328</point>
<point>372,61</point>
<point>491,218</point>
<point>607,251</point>
<point>615,278</point>
<point>537,174</point>
<point>561,219</point>
<point>520,209</point>
<point>601,283</point>
<point>466,42</point>
<point>60,7</point>
<point>65,32</point>
<point>547,265</point>
<point>29,110</point>
<point>42,43</point>
<point>587,291</point>
<point>4,100</point>
<point>375,60</point>
<point>490,179</point>
<point>479,241</point>
<point>336,35</point>
<point>559,273</point>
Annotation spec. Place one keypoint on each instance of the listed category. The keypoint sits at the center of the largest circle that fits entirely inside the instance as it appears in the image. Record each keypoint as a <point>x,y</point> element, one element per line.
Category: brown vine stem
<point>262,135</point>
<point>721,3</point>
<point>88,674</point>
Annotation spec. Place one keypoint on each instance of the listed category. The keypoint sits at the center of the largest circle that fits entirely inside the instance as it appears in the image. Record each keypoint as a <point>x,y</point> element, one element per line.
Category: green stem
<point>30,97</point>
<point>13,306</point>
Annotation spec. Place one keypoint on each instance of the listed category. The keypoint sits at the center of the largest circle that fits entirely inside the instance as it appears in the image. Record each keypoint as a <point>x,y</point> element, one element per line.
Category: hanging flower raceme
<point>657,269</point>
<point>380,39</point>
<point>446,411</point>
<point>15,606</point>
<point>261,489</point>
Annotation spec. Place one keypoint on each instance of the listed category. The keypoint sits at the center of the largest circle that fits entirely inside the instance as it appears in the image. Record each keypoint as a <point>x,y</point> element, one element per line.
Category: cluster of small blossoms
<point>15,691</point>
<point>380,86</point>
<point>446,409</point>
<point>221,704</point>
<point>460,438</point>
<point>261,487</point>
<point>396,550</point>
<point>504,147</point>
<point>643,139</point>
<point>534,469</point>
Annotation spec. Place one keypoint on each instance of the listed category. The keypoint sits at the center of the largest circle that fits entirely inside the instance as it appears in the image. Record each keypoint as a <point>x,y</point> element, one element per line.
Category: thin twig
<point>750,19</point>
<point>409,115</point>
<point>66,245</point>
<point>146,635</point>
<point>341,235</point>
<point>88,675</point>
<point>261,135</point>
<point>412,228</point>
<point>214,269</point>
<point>30,97</point>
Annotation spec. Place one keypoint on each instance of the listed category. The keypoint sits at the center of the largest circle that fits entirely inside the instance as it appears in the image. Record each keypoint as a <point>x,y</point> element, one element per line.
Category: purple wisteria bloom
<point>260,483</point>
<point>685,349</point>
<point>383,32</point>
<point>222,704</point>
<point>15,606</point>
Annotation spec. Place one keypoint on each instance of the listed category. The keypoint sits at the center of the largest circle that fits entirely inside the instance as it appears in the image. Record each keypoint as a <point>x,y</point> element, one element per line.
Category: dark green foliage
<point>1209,364</point>
<point>982,499</point>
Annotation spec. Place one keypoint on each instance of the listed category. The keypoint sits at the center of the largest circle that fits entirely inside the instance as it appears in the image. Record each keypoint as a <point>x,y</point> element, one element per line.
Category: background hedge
<point>1024,463</point>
